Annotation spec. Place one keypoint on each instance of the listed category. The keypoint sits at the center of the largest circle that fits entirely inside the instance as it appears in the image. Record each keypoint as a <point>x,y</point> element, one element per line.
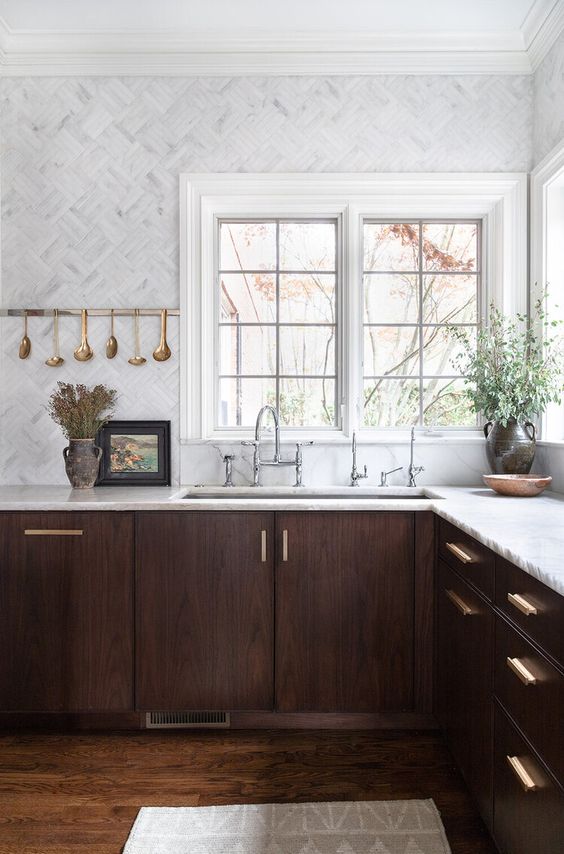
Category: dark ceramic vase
<point>511,449</point>
<point>82,462</point>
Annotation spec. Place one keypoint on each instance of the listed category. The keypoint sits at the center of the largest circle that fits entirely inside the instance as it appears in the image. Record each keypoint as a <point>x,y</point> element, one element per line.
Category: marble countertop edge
<point>527,532</point>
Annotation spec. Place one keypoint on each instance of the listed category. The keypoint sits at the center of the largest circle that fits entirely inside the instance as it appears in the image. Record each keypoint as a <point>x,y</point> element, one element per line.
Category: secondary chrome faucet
<point>413,471</point>
<point>277,460</point>
<point>355,476</point>
<point>384,475</point>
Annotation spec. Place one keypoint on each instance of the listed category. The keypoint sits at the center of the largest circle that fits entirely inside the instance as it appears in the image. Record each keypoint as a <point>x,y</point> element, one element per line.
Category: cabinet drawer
<point>469,557</point>
<point>532,691</point>
<point>534,607</point>
<point>526,820</point>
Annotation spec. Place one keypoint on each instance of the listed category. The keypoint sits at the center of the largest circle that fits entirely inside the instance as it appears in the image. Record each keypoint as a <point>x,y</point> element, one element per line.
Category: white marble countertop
<point>528,532</point>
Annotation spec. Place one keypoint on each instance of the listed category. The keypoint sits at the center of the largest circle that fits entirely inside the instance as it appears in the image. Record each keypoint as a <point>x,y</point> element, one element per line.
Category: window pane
<point>307,350</point>
<point>446,405</point>
<point>391,246</point>
<point>247,246</point>
<point>439,350</point>
<point>307,402</point>
<point>308,246</point>
<point>391,299</point>
<point>450,246</point>
<point>450,299</point>
<point>391,350</point>
<point>391,403</point>
<point>307,299</point>
<point>249,298</point>
<point>247,349</point>
<point>241,399</point>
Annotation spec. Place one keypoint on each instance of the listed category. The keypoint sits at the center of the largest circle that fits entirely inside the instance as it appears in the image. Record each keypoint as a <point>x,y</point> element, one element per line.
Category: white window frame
<point>498,199</point>
<point>548,171</point>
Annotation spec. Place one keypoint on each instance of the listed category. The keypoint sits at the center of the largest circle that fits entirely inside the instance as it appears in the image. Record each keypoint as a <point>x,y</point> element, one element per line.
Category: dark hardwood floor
<point>81,792</point>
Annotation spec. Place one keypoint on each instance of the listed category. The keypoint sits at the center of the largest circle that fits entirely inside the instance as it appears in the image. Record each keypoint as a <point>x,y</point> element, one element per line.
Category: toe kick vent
<point>187,720</point>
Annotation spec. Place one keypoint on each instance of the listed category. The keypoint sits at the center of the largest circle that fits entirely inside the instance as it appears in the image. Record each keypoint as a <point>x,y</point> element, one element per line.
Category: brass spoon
<point>56,360</point>
<point>84,351</point>
<point>111,343</point>
<point>137,359</point>
<point>25,343</point>
<point>162,352</point>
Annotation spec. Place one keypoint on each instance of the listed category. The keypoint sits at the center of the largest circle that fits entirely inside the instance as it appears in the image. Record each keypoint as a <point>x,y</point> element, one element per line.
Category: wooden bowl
<point>521,485</point>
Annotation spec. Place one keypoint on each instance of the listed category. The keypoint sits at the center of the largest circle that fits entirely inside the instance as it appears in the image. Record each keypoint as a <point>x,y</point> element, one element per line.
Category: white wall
<point>549,133</point>
<point>90,213</point>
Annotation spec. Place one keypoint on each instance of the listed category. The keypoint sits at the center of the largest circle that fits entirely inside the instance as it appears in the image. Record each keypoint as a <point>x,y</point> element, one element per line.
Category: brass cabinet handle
<point>284,545</point>
<point>263,546</point>
<point>463,557</point>
<point>521,604</point>
<point>459,603</point>
<point>53,532</point>
<point>521,671</point>
<point>522,774</point>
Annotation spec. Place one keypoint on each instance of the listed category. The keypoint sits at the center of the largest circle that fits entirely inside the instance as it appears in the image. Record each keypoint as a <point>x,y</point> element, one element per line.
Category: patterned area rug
<point>358,827</point>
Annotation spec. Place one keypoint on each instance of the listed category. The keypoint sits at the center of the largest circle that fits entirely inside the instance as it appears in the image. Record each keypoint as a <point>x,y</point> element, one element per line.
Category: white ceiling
<point>377,16</point>
<point>230,37</point>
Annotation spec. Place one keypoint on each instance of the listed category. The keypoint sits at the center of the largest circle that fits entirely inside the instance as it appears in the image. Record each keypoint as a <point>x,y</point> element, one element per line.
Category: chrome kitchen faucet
<point>297,462</point>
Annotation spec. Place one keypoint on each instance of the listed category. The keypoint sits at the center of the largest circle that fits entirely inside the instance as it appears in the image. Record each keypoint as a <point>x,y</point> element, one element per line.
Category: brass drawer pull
<point>263,546</point>
<point>459,603</point>
<point>53,532</point>
<point>521,604</point>
<point>521,671</point>
<point>463,557</point>
<point>284,545</point>
<point>522,775</point>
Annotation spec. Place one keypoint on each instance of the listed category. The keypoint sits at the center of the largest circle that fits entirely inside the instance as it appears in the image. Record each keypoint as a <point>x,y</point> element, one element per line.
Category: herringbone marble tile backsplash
<point>90,172</point>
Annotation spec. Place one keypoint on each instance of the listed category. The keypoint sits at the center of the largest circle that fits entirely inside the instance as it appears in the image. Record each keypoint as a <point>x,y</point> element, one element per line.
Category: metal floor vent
<point>187,720</point>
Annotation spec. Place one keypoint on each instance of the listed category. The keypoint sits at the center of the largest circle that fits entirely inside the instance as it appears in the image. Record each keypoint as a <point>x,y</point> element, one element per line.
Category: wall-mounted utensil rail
<point>92,312</point>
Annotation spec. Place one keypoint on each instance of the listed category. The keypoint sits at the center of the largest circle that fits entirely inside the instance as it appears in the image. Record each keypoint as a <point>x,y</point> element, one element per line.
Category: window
<point>277,285</point>
<point>329,296</point>
<point>418,277</point>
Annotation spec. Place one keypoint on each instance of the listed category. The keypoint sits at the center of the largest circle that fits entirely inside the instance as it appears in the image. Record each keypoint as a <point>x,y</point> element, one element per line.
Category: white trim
<point>548,170</point>
<point>542,26</point>
<point>500,199</point>
<point>134,52</point>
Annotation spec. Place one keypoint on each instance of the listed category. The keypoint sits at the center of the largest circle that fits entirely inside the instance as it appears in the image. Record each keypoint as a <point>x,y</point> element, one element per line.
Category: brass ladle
<point>84,351</point>
<point>25,343</point>
<point>111,343</point>
<point>162,352</point>
<point>137,359</point>
<point>56,360</point>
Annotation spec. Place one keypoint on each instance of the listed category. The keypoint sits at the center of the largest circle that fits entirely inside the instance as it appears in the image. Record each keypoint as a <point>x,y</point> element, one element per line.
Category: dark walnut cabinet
<point>205,610</point>
<point>66,612</point>
<point>464,665</point>
<point>344,611</point>
<point>500,691</point>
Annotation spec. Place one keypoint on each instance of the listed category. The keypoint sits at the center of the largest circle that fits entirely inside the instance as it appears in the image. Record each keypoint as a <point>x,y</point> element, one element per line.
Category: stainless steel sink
<point>260,494</point>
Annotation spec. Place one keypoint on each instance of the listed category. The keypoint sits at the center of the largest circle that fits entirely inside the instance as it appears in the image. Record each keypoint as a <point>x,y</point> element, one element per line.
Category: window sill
<point>399,437</point>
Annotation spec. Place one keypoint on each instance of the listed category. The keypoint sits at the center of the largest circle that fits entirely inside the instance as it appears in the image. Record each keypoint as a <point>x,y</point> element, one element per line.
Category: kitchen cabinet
<point>500,690</point>
<point>66,611</point>
<point>464,681</point>
<point>205,619</point>
<point>529,805</point>
<point>344,611</point>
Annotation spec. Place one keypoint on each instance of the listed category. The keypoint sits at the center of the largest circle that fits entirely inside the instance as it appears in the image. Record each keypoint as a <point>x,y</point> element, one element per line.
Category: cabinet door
<point>464,681</point>
<point>344,611</point>
<point>204,610</point>
<point>66,611</point>
<point>529,805</point>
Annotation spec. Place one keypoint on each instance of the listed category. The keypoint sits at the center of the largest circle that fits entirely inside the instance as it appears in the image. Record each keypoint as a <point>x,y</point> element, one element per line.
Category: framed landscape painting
<point>134,453</point>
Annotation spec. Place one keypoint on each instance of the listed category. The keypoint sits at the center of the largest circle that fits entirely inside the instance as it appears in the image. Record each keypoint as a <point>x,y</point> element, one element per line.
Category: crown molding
<point>29,53</point>
<point>542,26</point>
